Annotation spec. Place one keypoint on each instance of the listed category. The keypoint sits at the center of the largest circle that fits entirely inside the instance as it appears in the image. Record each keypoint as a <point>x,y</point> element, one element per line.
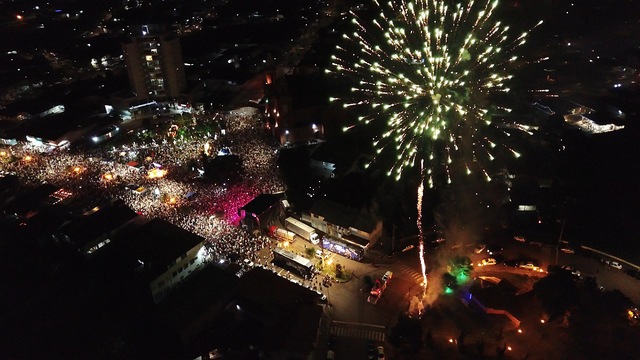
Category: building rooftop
<point>154,245</point>
<point>262,203</point>
<point>105,219</point>
<point>341,155</point>
<point>297,313</point>
<point>30,200</point>
<point>342,215</point>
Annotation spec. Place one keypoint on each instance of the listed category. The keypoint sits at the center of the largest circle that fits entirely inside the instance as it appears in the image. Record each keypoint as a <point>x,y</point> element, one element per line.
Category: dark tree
<point>461,268</point>
<point>557,292</point>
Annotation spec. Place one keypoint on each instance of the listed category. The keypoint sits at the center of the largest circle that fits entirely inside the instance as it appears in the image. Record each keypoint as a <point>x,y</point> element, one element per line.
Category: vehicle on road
<point>282,234</point>
<point>614,264</point>
<point>572,270</point>
<point>387,276</point>
<point>487,262</point>
<point>408,248</point>
<point>480,248</point>
<point>529,265</point>
<point>301,229</point>
<point>519,239</point>
<point>330,355</point>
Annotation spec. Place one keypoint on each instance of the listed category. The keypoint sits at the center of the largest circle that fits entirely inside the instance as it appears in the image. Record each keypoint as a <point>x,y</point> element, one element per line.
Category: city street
<point>351,323</point>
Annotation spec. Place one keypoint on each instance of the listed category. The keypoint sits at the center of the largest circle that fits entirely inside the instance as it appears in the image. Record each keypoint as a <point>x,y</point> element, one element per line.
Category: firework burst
<point>427,69</point>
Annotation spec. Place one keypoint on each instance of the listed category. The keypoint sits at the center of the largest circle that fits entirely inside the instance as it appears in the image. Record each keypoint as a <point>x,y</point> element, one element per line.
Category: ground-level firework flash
<point>420,232</point>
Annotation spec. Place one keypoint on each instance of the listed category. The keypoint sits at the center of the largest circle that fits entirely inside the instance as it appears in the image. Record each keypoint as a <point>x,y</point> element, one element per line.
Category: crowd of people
<point>156,177</point>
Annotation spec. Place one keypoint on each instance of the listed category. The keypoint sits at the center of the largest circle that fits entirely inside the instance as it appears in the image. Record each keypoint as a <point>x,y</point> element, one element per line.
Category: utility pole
<point>560,239</point>
<point>393,238</point>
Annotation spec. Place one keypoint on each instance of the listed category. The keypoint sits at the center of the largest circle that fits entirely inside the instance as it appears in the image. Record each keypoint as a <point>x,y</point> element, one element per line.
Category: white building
<point>165,253</point>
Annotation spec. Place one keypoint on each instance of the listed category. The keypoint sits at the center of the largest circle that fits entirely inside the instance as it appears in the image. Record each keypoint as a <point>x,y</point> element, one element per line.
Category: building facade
<point>154,63</point>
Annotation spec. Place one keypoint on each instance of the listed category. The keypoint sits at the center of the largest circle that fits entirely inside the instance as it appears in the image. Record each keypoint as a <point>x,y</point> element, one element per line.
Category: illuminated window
<point>149,58</point>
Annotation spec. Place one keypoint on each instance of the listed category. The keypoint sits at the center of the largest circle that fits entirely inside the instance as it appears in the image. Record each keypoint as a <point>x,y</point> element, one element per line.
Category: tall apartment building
<point>154,63</point>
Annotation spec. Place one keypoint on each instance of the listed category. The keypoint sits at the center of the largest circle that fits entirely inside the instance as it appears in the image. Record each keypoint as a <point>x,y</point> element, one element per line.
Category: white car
<point>387,276</point>
<point>487,262</point>
<point>615,265</point>
<point>567,250</point>
<point>529,266</point>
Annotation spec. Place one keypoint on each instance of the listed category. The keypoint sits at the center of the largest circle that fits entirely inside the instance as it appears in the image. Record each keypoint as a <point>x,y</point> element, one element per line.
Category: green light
<point>462,278</point>
<point>448,290</point>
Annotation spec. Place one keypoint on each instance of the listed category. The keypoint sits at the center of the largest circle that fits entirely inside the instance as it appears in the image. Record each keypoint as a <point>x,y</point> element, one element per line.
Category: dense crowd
<point>160,177</point>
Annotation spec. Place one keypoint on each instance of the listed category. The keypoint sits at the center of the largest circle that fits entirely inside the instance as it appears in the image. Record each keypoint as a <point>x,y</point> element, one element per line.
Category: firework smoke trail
<point>420,231</point>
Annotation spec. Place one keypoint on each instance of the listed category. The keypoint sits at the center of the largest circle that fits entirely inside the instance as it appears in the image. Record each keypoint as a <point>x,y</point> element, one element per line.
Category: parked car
<point>487,262</point>
<point>572,270</point>
<point>529,265</point>
<point>614,264</point>
<point>330,355</point>
<point>387,276</point>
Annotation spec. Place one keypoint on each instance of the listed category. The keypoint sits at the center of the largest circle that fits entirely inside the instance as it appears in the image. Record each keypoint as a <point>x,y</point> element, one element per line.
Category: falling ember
<point>419,223</point>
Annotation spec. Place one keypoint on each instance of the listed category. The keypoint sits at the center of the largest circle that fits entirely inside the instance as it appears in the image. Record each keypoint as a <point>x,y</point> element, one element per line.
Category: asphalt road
<point>353,321</point>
